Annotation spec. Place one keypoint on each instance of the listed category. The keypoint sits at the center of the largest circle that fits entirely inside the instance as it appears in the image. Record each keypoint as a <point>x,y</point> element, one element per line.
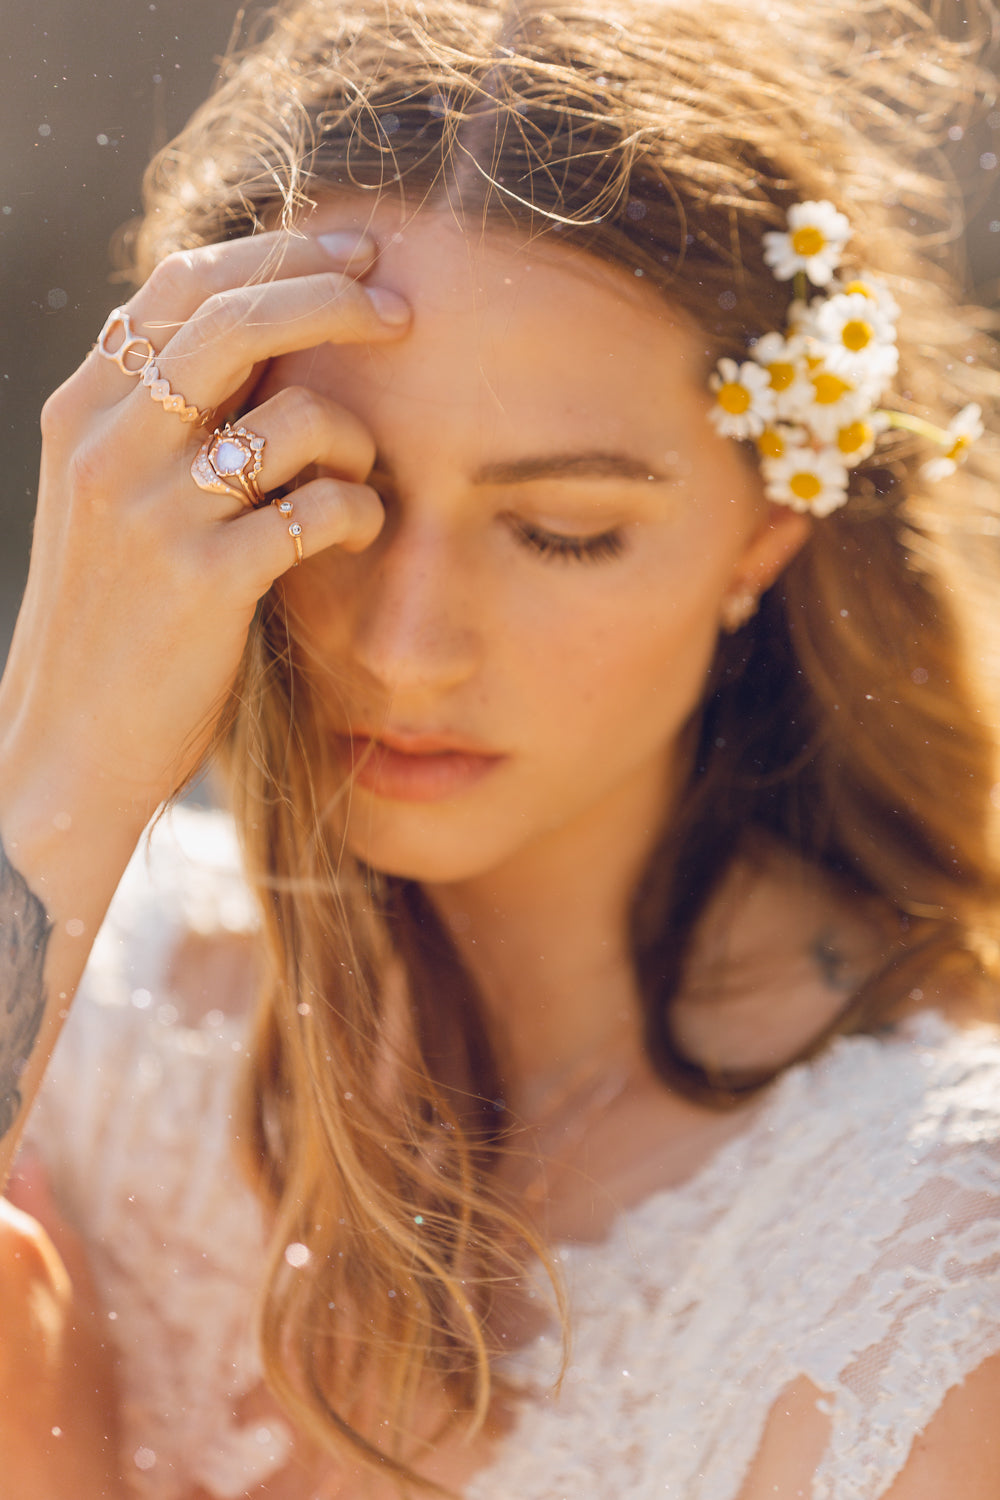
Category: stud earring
<point>737,608</point>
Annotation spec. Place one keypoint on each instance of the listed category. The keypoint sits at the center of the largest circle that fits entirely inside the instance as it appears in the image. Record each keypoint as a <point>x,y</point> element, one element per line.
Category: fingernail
<point>390,307</point>
<point>342,244</point>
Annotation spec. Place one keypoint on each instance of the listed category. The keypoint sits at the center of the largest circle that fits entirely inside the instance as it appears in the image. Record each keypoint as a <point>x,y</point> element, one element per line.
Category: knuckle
<point>302,409</point>
<point>315,420</point>
<point>184,274</point>
<point>352,513</point>
<point>223,314</point>
<point>60,411</point>
<point>87,471</point>
<point>172,276</point>
<point>175,276</point>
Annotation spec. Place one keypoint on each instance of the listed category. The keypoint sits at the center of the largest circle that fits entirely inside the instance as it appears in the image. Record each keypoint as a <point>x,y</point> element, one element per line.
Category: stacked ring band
<point>134,346</point>
<point>285,508</point>
<point>229,462</point>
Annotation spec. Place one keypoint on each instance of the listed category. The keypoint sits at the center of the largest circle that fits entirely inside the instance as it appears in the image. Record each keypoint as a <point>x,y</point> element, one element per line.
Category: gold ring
<point>285,508</point>
<point>229,462</point>
<point>134,345</point>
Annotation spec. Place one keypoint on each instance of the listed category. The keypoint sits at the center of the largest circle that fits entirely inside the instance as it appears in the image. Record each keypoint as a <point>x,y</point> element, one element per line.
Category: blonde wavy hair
<point>847,720</point>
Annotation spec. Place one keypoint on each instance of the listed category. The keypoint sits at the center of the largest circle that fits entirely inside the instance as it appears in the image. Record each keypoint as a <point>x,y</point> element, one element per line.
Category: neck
<point>546,939</point>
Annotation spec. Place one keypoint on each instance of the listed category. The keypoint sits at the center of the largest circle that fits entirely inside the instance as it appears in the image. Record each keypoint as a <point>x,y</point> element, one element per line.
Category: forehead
<point>510,332</point>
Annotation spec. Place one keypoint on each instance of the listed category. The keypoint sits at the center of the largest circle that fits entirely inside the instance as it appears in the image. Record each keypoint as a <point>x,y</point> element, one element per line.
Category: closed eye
<point>555,546</point>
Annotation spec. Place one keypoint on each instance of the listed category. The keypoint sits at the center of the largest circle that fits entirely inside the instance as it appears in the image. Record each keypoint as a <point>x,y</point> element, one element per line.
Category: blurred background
<point>86,95</point>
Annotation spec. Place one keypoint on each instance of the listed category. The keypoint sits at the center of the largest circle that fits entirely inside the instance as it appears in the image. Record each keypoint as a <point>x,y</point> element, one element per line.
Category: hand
<point>58,1434</point>
<point>142,587</point>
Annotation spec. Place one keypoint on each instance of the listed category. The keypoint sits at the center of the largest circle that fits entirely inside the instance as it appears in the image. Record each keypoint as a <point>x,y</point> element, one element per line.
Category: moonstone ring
<point>228,464</point>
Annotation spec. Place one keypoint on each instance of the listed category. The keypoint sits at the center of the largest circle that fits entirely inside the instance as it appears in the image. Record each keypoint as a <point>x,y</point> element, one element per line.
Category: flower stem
<point>909,423</point>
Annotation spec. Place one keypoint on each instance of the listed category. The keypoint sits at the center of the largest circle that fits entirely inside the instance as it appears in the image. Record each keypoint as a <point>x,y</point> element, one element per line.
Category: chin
<point>411,850</point>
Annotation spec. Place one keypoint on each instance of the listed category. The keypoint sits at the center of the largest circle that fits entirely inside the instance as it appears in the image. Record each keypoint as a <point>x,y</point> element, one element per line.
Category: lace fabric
<point>850,1235</point>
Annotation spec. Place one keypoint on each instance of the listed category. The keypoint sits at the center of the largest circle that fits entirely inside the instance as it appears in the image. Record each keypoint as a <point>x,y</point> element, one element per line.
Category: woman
<point>612,780</point>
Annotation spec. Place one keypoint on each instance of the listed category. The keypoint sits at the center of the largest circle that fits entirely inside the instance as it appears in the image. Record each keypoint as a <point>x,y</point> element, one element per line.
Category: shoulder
<point>958,1453</point>
<point>884,1155</point>
<point>889,1271</point>
<point>922,1086</point>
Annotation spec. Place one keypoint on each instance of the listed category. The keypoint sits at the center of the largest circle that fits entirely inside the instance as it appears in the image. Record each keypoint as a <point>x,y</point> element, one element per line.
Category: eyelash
<point>554,547</point>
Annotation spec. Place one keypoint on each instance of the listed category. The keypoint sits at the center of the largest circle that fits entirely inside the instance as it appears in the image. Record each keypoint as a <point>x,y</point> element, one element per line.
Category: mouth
<point>403,766</point>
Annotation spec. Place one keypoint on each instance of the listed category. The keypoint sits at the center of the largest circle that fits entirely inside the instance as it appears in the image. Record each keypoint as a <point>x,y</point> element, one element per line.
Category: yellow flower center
<point>781,375</point>
<point>854,436</point>
<point>805,486</point>
<point>733,398</point>
<point>856,335</point>
<point>770,444</point>
<point>829,388</point>
<point>958,449</point>
<point>808,240</point>
<point>860,288</point>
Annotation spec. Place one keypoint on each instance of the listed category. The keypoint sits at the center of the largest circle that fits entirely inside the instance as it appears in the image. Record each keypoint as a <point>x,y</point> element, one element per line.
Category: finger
<point>295,430</point>
<point>303,428</point>
<point>215,352</point>
<point>328,513</point>
<point>184,280</point>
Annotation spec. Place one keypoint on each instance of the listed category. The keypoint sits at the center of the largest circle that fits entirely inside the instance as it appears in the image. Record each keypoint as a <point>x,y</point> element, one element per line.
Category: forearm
<point>142,590</point>
<point>62,852</point>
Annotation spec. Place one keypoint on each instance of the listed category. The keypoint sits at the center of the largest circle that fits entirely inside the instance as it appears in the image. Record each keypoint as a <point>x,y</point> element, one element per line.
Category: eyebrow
<point>588,465</point>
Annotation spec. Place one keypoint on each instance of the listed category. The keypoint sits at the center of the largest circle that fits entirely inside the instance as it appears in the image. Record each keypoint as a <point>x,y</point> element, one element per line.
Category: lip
<point>411,766</point>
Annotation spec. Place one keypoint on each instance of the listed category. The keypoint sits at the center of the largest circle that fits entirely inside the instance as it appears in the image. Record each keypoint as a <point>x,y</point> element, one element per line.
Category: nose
<point>417,620</point>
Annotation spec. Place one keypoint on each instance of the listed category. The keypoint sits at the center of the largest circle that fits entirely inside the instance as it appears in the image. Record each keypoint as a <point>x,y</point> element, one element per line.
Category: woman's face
<point>535,622</point>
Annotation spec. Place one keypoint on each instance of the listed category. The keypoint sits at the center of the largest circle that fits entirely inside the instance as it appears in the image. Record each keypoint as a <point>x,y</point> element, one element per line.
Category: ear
<point>772,546</point>
<point>778,537</point>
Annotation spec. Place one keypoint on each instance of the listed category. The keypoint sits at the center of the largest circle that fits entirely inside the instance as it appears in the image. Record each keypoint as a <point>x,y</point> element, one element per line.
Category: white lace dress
<point>850,1234</point>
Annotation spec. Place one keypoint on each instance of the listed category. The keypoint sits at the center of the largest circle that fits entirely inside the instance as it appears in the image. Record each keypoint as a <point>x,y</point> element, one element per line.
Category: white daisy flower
<point>784,359</point>
<point>808,479</point>
<point>875,290</point>
<point>856,337</point>
<point>776,440</point>
<point>964,430</point>
<point>857,440</point>
<point>816,236</point>
<point>744,401</point>
<point>832,402</point>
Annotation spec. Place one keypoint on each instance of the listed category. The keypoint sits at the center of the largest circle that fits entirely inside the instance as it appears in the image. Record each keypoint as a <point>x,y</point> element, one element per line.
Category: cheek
<point>626,681</point>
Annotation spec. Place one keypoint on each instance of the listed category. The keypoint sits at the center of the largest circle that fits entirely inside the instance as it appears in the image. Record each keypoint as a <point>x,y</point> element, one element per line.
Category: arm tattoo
<point>24,936</point>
